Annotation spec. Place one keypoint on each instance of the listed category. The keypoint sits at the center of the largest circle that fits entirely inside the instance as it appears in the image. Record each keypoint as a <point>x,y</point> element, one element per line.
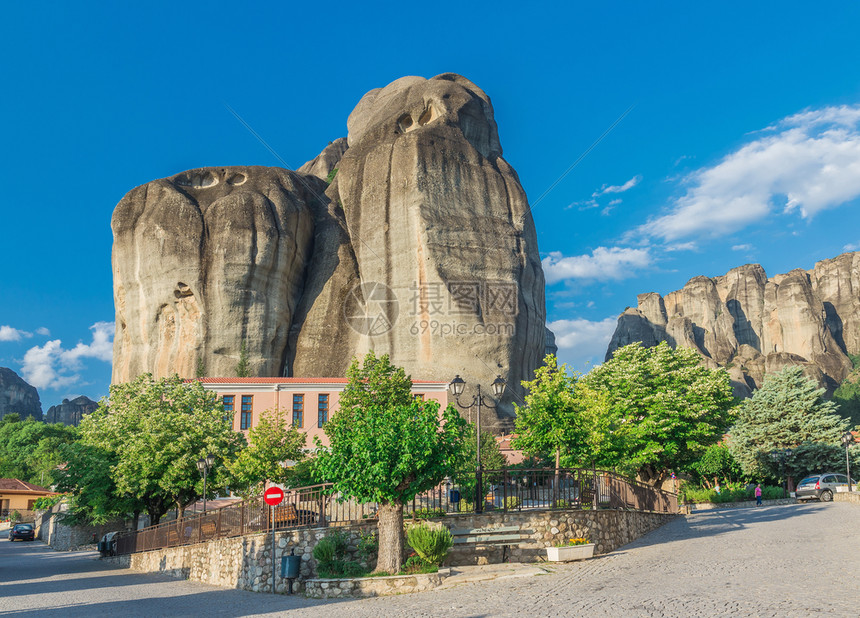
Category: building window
<point>419,396</point>
<point>323,409</point>
<point>298,410</point>
<point>246,412</point>
<point>229,407</point>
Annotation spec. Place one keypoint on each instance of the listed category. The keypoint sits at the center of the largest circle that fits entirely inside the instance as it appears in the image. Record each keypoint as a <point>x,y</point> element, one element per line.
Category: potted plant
<point>572,549</point>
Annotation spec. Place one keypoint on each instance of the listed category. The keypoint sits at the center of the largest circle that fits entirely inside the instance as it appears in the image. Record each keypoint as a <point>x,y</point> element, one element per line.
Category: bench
<point>208,529</point>
<point>503,536</point>
<point>288,515</point>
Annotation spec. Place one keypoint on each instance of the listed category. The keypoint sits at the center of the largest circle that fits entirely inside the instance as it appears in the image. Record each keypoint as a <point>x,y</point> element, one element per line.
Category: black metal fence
<point>502,490</point>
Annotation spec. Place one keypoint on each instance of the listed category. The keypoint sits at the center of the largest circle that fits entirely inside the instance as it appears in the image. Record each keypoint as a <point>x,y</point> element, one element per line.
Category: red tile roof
<point>290,381</point>
<point>17,485</point>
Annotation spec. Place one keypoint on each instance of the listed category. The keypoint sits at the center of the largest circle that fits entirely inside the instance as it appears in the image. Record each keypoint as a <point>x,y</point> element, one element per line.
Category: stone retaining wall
<point>64,538</point>
<point>374,586</point>
<point>707,506</point>
<point>608,529</point>
<point>847,497</point>
<point>246,562</point>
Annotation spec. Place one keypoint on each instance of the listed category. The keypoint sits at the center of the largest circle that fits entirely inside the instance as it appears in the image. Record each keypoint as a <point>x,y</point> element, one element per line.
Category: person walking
<point>758,495</point>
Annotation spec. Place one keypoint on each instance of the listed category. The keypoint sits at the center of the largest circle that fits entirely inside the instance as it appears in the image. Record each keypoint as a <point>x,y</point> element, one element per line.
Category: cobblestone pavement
<point>792,560</point>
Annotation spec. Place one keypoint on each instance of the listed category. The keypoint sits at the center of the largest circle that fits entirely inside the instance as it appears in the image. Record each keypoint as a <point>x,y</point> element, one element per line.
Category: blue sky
<point>740,142</point>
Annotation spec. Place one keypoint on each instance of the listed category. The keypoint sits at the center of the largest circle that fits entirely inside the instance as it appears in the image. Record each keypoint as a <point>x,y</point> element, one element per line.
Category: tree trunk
<point>135,520</point>
<point>390,537</point>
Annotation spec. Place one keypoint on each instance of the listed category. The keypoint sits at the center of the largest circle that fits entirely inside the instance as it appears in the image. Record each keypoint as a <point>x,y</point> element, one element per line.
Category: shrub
<point>340,568</point>
<point>428,513</point>
<point>431,542</point>
<point>467,506</point>
<point>46,502</point>
<point>512,502</point>
<point>368,546</point>
<point>560,504</point>
<point>416,564</point>
<point>15,516</point>
<point>324,551</point>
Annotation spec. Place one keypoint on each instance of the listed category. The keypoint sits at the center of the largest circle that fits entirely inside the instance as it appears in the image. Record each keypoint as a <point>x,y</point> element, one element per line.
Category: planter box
<point>571,552</point>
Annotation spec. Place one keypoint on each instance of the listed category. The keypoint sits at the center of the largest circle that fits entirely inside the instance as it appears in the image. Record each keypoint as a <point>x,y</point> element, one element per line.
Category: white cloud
<point>582,343</point>
<point>603,264</point>
<point>618,188</point>
<point>52,366</point>
<point>682,246</point>
<point>744,247</point>
<point>806,163</point>
<point>43,331</point>
<point>851,246</point>
<point>7,333</point>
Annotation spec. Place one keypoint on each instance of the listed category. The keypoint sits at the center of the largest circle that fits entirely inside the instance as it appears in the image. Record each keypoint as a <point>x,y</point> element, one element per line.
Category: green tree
<point>716,461</point>
<point>664,409</point>
<point>243,369</point>
<point>553,421</point>
<point>29,449</point>
<point>491,459</point>
<point>272,443</point>
<point>386,446</point>
<point>95,497</point>
<point>156,430</point>
<point>815,457</point>
<point>788,410</point>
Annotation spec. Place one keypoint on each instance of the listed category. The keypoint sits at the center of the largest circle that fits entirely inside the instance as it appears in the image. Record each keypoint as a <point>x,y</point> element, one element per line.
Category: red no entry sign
<point>273,496</point>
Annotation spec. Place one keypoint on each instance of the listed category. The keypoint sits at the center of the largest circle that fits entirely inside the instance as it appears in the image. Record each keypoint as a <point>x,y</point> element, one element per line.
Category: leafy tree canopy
<point>157,430</point>
<point>788,410</point>
<point>664,408</point>
<point>30,449</point>
<point>716,462</point>
<point>554,421</point>
<point>272,443</point>
<point>386,446</point>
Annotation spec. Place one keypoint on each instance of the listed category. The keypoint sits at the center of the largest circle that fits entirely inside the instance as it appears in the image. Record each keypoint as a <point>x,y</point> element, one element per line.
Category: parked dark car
<point>821,486</point>
<point>23,532</point>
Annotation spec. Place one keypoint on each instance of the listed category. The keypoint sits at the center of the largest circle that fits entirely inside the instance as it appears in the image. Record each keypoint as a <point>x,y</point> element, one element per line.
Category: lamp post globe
<point>457,386</point>
<point>498,386</point>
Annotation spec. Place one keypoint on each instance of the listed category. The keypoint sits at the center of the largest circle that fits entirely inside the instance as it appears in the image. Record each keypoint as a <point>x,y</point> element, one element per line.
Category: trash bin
<point>454,498</point>
<point>290,567</point>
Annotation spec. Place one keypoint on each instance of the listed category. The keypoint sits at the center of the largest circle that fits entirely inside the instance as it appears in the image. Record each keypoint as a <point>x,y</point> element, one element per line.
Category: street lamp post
<point>781,456</point>
<point>457,387</point>
<point>847,440</point>
<point>204,465</point>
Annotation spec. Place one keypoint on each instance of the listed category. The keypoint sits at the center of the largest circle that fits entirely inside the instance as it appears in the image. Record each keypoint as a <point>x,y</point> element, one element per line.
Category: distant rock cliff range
<point>71,412</point>
<point>753,325</point>
<point>18,397</point>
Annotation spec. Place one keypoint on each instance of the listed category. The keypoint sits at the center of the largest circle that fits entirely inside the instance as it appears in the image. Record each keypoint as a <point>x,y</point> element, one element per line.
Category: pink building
<point>307,402</point>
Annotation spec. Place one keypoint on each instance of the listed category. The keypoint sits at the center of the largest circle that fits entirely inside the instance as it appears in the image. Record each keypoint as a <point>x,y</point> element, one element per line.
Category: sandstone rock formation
<point>71,412</point>
<point>753,325</point>
<point>18,397</point>
<point>422,247</point>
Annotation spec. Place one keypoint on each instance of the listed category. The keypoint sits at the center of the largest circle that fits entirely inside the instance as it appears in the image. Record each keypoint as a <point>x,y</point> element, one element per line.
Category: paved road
<point>793,560</point>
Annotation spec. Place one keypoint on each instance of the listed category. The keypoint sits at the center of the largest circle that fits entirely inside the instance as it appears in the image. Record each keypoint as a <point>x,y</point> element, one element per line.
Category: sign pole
<point>273,548</point>
<point>273,496</point>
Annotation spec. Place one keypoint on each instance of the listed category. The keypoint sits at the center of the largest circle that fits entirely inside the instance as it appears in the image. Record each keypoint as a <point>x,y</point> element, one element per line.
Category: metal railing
<point>305,506</point>
<point>318,505</point>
